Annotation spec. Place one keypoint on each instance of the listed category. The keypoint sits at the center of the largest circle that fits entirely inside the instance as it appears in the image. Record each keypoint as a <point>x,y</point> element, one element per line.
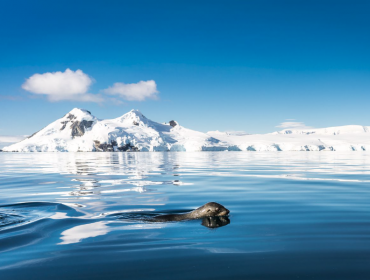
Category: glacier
<point>80,131</point>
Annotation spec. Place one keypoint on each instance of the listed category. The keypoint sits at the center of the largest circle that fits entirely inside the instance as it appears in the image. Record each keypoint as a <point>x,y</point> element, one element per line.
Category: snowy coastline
<point>80,131</point>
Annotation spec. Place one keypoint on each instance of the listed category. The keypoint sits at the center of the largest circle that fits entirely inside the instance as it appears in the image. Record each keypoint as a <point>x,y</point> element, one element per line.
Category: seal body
<point>210,209</point>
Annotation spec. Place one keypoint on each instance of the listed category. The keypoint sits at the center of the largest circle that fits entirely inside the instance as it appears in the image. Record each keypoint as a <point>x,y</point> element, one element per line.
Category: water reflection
<point>138,166</point>
<point>78,233</point>
<point>215,222</point>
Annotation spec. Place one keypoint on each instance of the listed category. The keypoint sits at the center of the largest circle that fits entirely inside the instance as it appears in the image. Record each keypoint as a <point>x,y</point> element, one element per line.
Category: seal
<point>210,209</point>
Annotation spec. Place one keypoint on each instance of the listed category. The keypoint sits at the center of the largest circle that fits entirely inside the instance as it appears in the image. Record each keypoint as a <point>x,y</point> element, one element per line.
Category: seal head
<point>210,209</point>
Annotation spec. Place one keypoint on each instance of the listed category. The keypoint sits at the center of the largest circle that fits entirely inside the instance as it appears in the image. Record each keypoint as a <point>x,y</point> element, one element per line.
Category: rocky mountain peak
<point>173,123</point>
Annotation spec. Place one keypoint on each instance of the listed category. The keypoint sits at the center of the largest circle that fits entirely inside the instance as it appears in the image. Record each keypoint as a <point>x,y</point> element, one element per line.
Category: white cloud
<point>236,132</point>
<point>293,125</point>
<point>11,139</point>
<point>134,92</point>
<point>74,85</point>
<point>8,140</point>
<point>57,86</point>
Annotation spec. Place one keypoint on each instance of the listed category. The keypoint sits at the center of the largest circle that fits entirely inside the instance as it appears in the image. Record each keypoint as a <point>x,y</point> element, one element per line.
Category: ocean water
<point>299,215</point>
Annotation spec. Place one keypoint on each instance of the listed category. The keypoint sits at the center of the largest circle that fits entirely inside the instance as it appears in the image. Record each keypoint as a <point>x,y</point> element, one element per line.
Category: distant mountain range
<point>80,131</point>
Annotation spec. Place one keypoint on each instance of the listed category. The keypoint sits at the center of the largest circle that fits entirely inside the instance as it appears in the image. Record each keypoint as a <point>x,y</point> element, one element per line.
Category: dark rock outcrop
<point>33,134</point>
<point>78,128</point>
<point>114,143</point>
<point>173,123</point>
<point>128,148</point>
<point>64,124</point>
<point>105,147</point>
<point>71,117</point>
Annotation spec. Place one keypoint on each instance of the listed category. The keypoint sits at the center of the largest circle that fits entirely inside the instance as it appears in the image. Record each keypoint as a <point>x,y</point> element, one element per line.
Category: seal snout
<point>225,212</point>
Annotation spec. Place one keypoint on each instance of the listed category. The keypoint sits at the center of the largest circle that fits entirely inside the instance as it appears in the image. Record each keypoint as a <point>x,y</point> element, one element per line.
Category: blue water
<point>302,215</point>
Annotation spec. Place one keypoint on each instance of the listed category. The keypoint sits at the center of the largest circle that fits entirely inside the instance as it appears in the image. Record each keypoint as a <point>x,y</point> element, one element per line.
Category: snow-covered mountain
<point>340,138</point>
<point>346,129</point>
<point>79,130</point>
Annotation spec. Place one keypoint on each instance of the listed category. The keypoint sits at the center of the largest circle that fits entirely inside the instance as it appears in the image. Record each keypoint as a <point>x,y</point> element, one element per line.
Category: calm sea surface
<point>299,215</point>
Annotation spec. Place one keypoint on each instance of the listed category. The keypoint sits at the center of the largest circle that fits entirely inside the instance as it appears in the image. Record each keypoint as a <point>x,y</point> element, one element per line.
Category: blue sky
<point>226,65</point>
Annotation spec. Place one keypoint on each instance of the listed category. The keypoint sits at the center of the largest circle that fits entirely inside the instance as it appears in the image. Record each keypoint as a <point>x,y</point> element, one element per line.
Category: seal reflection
<point>215,222</point>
